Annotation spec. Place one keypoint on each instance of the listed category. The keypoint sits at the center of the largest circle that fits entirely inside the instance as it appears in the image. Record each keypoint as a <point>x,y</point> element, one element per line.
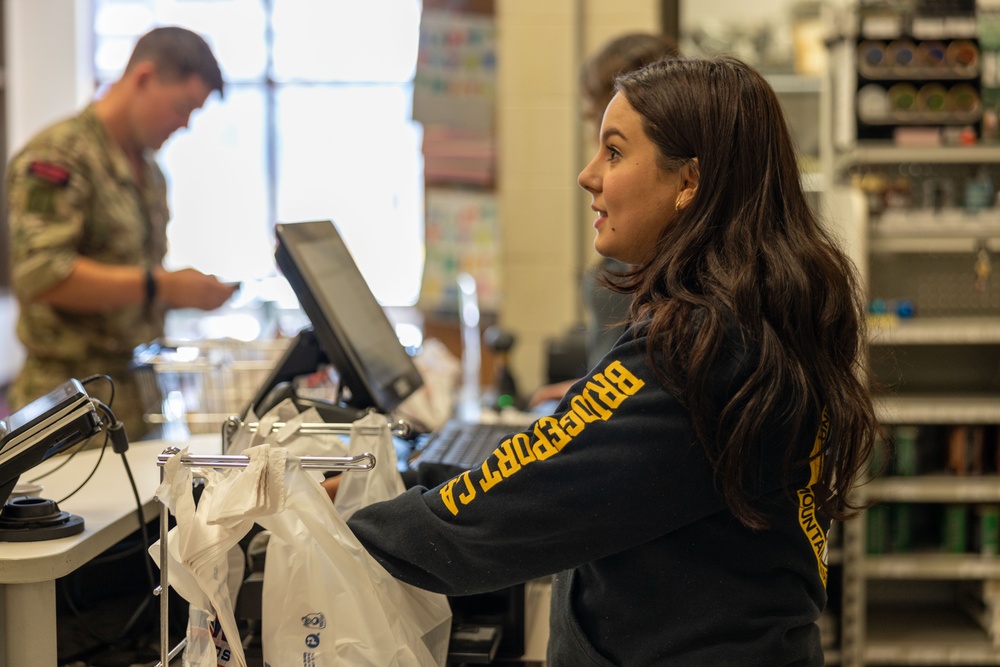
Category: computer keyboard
<point>465,444</point>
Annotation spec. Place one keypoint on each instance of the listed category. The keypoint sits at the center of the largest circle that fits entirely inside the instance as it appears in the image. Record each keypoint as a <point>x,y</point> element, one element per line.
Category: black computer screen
<point>348,322</point>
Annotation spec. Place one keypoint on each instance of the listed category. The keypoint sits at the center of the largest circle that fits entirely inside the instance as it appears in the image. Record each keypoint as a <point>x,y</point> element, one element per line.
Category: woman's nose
<point>589,179</point>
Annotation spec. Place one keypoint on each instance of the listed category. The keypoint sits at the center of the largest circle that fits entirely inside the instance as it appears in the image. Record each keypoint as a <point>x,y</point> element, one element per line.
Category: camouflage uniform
<point>71,193</point>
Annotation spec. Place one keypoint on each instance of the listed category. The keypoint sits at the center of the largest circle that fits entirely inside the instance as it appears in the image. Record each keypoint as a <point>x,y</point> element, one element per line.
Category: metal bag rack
<point>364,462</point>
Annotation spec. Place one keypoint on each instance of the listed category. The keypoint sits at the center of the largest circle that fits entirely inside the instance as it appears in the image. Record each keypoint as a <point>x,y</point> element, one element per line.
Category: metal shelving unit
<point>941,369</point>
<point>932,331</point>
<point>941,409</point>
<point>887,153</point>
<point>946,231</point>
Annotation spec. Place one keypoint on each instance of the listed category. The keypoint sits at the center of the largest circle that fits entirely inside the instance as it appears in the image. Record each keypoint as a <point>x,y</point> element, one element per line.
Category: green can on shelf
<point>989,529</point>
<point>954,536</point>
<point>905,450</point>
<point>901,522</point>
<point>877,523</point>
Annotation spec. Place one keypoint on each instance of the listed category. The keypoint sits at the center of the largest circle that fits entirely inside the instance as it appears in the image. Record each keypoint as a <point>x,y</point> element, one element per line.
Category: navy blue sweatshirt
<point>613,495</point>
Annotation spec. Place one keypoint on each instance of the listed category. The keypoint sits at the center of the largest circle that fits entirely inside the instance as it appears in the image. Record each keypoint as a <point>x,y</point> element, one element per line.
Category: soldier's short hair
<point>178,52</point>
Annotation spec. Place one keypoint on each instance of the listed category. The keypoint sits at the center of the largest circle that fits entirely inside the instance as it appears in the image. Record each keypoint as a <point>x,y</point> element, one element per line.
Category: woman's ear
<point>690,176</point>
<point>691,173</point>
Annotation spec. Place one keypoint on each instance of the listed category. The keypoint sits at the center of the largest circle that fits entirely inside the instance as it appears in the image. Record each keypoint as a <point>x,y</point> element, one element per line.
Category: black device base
<point>28,519</point>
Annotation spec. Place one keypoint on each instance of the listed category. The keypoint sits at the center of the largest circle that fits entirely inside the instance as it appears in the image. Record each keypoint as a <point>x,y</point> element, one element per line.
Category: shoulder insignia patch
<point>47,171</point>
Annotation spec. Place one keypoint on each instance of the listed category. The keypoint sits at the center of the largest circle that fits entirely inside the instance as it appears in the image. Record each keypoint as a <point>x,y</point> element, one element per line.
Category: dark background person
<point>87,206</point>
<point>681,494</point>
<point>605,311</point>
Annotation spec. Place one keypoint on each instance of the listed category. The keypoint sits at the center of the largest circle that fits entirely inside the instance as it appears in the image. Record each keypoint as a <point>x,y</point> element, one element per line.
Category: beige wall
<point>544,215</point>
<point>48,66</point>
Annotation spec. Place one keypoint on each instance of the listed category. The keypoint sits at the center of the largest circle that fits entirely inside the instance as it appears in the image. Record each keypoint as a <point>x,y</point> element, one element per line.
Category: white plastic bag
<point>370,434</point>
<point>328,601</point>
<point>205,563</point>
<point>434,402</point>
<point>291,435</point>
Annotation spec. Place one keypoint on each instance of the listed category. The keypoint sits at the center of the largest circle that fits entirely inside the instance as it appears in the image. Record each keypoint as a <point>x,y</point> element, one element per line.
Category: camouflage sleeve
<point>47,193</point>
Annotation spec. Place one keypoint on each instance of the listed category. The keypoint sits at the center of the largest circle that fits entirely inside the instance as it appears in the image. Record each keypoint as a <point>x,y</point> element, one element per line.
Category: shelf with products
<point>928,609</point>
<point>913,130</point>
<point>927,196</point>
<point>932,529</point>
<point>906,82</point>
<point>935,279</point>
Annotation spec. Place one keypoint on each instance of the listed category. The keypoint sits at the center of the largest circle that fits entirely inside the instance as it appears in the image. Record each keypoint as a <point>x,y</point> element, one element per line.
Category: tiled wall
<point>544,215</point>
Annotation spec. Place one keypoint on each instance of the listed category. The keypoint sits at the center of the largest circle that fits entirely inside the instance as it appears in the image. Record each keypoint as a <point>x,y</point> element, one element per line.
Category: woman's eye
<point>613,152</point>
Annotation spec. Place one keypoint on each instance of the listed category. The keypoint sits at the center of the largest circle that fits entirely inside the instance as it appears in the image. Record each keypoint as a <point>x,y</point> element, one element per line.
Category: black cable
<point>93,470</point>
<point>116,432</point>
<point>107,378</point>
<point>143,530</point>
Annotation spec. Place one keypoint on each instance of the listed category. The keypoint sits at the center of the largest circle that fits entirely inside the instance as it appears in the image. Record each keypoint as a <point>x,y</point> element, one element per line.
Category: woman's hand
<point>550,392</point>
<point>330,485</point>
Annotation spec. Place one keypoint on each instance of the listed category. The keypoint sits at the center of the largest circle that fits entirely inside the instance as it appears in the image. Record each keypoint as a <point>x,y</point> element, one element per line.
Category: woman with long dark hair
<point>682,492</point>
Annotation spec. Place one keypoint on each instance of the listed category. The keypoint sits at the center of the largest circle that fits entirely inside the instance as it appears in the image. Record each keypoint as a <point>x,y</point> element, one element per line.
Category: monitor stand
<point>303,356</point>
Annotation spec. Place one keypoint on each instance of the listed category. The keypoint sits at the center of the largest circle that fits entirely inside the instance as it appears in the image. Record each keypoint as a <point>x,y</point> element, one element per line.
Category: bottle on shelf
<point>979,192</point>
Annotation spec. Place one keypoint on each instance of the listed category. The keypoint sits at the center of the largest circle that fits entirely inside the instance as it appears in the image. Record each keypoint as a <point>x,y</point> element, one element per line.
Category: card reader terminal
<point>48,425</point>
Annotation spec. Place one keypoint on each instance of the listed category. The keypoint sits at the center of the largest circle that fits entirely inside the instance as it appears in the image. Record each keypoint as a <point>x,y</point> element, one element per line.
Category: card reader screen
<point>65,395</point>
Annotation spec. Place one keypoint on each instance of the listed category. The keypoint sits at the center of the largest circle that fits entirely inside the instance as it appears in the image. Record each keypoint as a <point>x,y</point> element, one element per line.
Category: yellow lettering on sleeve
<point>608,393</point>
<point>598,409</point>
<point>490,477</point>
<point>470,488</point>
<point>521,444</point>
<point>571,424</point>
<point>584,410</point>
<point>626,382</point>
<point>448,496</point>
<point>507,462</point>
<point>545,447</point>
<point>601,395</point>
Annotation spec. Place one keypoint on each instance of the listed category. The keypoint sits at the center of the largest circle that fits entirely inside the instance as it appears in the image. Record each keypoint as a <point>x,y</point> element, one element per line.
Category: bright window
<point>315,124</point>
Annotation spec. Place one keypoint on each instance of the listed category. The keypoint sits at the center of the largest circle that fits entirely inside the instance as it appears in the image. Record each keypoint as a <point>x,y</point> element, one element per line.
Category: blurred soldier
<point>87,206</point>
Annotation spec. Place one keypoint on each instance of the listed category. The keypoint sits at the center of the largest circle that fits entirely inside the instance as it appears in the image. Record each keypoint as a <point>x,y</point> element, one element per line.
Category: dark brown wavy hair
<point>748,254</point>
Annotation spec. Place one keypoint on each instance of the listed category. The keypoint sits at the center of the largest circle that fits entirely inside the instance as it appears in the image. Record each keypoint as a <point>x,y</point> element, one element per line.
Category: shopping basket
<point>199,384</point>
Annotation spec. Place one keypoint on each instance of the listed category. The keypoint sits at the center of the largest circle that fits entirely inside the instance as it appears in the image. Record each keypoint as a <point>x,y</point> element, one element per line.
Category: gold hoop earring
<point>677,203</point>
